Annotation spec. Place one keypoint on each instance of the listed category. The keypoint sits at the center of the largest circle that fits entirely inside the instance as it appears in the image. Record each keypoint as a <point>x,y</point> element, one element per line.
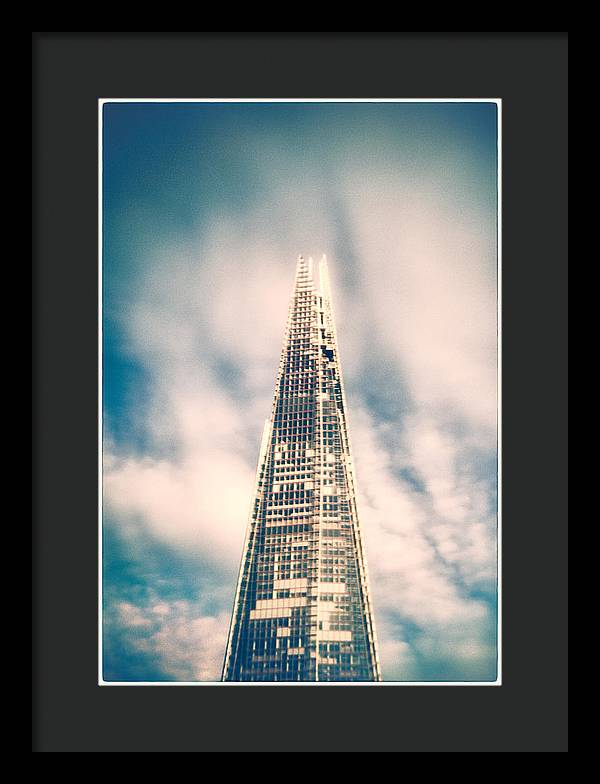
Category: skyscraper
<point>302,610</point>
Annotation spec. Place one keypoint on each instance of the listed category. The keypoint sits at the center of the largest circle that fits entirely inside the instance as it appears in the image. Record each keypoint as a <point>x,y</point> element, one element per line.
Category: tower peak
<point>304,273</point>
<point>324,277</point>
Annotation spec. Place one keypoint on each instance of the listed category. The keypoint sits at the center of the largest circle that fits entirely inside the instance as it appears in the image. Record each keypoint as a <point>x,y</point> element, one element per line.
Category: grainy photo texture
<point>299,398</point>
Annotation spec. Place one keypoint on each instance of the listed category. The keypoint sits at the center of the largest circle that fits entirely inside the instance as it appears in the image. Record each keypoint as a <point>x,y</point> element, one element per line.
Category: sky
<point>205,210</point>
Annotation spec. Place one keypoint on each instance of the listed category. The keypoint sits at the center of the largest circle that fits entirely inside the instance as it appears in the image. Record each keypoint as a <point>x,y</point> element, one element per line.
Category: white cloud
<point>186,645</point>
<point>428,284</point>
<point>199,502</point>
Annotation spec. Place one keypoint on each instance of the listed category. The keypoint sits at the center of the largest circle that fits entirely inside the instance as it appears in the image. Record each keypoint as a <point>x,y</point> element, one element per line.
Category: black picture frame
<point>528,71</point>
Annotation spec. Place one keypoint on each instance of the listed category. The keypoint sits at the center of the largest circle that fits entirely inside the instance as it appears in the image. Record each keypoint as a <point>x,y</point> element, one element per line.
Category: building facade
<point>302,609</point>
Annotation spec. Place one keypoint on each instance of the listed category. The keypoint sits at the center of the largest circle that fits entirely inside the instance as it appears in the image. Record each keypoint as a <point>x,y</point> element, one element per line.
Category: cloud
<point>415,297</point>
<point>182,643</point>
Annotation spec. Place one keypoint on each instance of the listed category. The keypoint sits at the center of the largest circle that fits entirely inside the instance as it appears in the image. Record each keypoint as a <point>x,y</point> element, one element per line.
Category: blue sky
<point>206,207</point>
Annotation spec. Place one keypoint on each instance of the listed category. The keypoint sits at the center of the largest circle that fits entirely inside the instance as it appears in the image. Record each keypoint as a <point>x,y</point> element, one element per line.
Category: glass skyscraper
<point>302,610</point>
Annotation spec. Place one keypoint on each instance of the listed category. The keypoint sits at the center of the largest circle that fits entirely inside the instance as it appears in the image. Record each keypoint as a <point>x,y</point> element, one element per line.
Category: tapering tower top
<point>304,275</point>
<point>324,278</point>
<point>304,279</point>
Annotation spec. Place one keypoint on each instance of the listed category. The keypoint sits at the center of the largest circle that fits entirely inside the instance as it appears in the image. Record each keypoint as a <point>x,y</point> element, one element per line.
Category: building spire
<point>304,278</point>
<point>324,278</point>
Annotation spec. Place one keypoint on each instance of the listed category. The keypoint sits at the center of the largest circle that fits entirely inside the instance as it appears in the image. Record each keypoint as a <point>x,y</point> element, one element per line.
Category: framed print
<point>291,398</point>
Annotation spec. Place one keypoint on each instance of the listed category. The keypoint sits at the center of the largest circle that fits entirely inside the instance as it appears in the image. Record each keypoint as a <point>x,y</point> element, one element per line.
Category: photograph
<point>299,434</point>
